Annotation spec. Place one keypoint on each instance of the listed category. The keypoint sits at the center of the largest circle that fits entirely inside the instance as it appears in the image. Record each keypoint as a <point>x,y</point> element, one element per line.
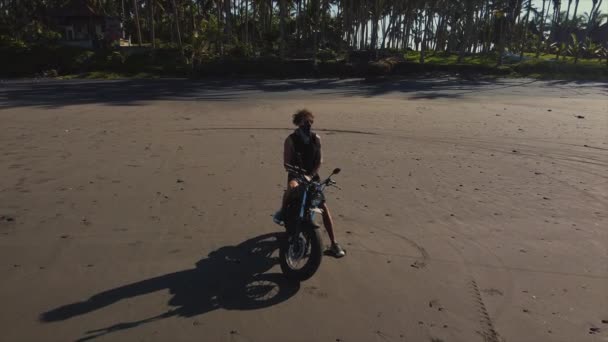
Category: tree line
<point>305,28</point>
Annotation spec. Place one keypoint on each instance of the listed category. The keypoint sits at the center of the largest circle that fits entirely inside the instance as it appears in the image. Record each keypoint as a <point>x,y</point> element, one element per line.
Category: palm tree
<point>137,23</point>
<point>525,30</point>
<point>151,20</point>
<point>593,14</point>
<point>568,11</point>
<point>466,32</point>
<point>575,9</point>
<point>283,14</point>
<point>542,29</point>
<point>227,22</point>
<point>179,36</point>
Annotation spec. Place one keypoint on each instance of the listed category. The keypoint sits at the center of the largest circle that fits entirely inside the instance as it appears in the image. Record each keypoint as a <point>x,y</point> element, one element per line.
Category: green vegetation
<point>284,38</point>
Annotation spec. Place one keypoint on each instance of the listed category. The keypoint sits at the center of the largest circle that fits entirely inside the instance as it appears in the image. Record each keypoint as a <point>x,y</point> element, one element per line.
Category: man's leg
<point>291,185</point>
<point>279,217</point>
<point>328,222</point>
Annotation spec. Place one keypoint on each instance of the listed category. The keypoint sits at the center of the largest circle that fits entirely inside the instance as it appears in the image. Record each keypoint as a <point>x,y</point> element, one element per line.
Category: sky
<point>583,6</point>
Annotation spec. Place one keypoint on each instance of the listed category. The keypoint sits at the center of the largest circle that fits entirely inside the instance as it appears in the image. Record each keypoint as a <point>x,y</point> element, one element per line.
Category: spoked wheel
<point>300,255</point>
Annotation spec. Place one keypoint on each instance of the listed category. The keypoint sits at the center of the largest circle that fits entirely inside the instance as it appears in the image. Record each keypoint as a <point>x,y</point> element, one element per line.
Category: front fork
<point>302,219</point>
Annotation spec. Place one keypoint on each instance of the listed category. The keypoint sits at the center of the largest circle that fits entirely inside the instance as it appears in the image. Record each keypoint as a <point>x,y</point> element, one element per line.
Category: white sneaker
<point>336,250</point>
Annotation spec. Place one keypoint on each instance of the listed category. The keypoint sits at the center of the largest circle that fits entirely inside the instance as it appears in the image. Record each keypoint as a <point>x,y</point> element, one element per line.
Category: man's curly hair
<point>302,114</point>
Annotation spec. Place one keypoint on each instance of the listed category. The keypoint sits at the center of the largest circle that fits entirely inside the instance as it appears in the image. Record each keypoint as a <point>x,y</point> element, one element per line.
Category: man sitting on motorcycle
<point>303,149</point>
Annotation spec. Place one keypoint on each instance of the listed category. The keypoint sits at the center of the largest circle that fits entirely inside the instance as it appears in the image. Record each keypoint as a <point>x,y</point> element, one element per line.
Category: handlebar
<point>304,178</point>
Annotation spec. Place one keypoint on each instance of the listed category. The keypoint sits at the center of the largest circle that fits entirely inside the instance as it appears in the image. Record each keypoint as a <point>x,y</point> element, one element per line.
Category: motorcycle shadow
<point>232,278</point>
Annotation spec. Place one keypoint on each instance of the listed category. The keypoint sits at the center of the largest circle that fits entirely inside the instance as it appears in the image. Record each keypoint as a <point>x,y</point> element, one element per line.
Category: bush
<point>27,60</point>
<point>262,67</point>
<point>360,56</point>
<point>11,43</point>
<point>239,50</point>
<point>50,73</point>
<point>84,60</point>
<point>169,59</point>
<point>335,68</point>
<point>326,54</point>
<point>382,67</point>
<point>561,69</point>
<point>139,61</point>
<point>115,60</point>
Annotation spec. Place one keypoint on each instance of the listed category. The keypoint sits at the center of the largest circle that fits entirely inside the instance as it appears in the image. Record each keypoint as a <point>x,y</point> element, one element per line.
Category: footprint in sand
<point>313,290</point>
<point>435,304</point>
<point>492,292</point>
<point>5,218</point>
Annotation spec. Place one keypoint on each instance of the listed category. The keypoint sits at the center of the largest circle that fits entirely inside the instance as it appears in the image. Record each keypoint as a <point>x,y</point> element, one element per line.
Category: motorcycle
<point>301,250</point>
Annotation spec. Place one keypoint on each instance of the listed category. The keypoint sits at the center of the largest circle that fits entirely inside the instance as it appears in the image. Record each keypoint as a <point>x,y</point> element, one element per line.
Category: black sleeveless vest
<point>306,155</point>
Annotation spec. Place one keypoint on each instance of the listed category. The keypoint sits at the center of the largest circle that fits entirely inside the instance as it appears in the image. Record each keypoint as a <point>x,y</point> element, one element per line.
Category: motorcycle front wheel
<point>300,255</point>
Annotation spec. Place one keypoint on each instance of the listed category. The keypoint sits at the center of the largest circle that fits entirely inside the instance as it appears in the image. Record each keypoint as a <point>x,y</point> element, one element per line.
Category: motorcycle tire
<point>313,236</point>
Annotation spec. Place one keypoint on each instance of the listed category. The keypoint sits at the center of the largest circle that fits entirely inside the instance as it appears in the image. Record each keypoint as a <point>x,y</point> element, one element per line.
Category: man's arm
<point>288,151</point>
<point>319,160</point>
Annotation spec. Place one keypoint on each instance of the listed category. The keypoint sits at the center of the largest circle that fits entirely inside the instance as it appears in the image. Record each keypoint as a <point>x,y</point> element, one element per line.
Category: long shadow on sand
<point>232,278</point>
<point>57,94</point>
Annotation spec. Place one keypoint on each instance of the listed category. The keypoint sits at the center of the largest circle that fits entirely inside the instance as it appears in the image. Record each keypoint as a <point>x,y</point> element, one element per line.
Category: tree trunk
<point>347,25</point>
<point>247,22</point>
<point>283,11</point>
<point>568,11</point>
<point>595,9</point>
<point>315,30</point>
<point>375,24</point>
<point>137,23</point>
<point>515,11</point>
<point>478,38</point>
<point>238,17</point>
<point>360,38</point>
<point>575,9</point>
<point>556,27</point>
<point>364,34</point>
<point>179,36</point>
<point>546,17</point>
<point>466,33</point>
<point>541,33</point>
<point>193,18</point>
<point>418,36</point>
<point>323,12</point>
<point>270,14</point>
<point>299,23</point>
<point>488,41</point>
<point>425,35</point>
<point>353,35</point>
<point>501,41</point>
<point>406,37</point>
<point>525,34</point>
<point>383,28</point>
<point>439,34</point>
<point>152,28</point>
<point>218,42</point>
<point>228,22</point>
